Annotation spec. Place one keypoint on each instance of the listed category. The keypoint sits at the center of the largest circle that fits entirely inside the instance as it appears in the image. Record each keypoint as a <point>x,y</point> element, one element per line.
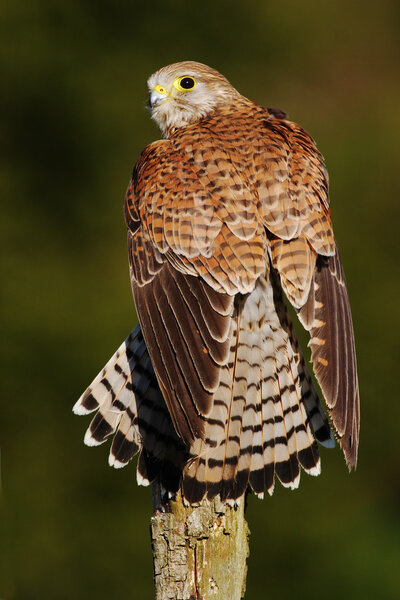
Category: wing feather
<point>177,397</point>
<point>294,206</point>
<point>333,352</point>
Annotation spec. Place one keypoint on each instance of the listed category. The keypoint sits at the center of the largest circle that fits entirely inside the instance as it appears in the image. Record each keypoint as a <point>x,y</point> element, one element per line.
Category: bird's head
<point>183,93</point>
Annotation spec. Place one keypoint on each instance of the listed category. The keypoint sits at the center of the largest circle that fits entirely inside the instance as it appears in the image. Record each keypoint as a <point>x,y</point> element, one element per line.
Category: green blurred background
<point>73,95</point>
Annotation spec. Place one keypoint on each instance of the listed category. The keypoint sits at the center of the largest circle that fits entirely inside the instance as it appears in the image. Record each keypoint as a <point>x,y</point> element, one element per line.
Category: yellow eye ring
<point>184,84</point>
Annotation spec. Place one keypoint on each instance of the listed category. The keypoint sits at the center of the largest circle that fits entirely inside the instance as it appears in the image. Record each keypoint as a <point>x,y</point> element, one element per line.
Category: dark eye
<point>182,84</point>
<point>187,83</point>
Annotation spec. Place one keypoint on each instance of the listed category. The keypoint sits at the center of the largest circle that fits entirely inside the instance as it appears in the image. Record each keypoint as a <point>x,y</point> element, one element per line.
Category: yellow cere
<point>161,90</point>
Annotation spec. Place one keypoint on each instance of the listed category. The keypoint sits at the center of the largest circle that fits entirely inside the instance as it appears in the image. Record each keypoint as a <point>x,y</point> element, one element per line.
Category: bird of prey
<point>228,223</point>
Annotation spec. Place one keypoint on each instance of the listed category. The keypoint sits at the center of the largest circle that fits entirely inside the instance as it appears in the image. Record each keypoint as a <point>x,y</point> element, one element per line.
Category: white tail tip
<point>315,471</point>
<point>79,409</point>
<point>113,462</point>
<point>293,485</point>
<point>142,480</point>
<point>90,441</point>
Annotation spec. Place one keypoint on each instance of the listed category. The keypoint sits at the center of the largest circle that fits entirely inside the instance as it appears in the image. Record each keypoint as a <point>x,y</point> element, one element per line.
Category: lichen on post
<point>199,551</point>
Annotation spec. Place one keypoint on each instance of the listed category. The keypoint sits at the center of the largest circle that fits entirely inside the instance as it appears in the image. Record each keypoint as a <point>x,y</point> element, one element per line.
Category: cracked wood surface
<point>199,551</point>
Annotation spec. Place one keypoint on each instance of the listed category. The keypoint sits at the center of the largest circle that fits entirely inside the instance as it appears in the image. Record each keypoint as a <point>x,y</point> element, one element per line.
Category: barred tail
<point>130,405</point>
<point>266,415</point>
<point>265,418</point>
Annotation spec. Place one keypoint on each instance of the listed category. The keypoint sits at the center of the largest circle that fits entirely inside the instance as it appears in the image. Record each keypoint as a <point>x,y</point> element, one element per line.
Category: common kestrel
<point>226,215</point>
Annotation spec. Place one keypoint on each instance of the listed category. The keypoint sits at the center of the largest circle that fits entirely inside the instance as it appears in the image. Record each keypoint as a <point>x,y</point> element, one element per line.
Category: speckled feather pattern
<point>223,215</point>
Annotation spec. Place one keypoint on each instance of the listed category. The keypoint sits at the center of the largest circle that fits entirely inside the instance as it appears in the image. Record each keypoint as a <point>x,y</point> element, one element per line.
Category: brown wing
<point>202,203</point>
<point>333,350</point>
<point>175,234</point>
<point>294,205</point>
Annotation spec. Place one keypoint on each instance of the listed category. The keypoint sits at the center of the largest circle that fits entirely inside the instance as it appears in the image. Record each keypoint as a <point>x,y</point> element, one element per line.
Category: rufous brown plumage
<point>225,215</point>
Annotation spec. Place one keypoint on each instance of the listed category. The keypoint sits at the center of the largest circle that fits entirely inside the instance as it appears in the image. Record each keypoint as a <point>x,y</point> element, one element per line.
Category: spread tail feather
<point>130,405</point>
<point>266,415</point>
<point>265,418</point>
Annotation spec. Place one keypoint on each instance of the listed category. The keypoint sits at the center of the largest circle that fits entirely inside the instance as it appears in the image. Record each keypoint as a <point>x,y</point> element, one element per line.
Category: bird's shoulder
<point>241,128</point>
<point>239,161</point>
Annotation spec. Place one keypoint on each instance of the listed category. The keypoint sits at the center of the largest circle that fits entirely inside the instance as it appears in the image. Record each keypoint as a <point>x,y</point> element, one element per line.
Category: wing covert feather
<point>292,184</point>
<point>174,209</point>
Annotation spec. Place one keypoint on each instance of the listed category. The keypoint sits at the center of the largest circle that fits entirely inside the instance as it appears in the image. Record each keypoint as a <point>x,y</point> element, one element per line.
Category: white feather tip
<point>113,462</point>
<point>142,480</point>
<point>89,439</point>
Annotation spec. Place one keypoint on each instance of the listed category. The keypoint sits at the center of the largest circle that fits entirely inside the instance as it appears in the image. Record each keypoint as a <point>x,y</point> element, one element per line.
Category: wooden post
<point>199,551</point>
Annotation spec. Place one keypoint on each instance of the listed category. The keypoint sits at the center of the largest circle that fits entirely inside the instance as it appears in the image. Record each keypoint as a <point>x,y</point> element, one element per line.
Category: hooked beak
<point>157,96</point>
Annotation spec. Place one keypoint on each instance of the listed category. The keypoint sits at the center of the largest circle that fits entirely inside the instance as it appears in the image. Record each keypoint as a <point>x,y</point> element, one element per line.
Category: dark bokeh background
<point>73,90</point>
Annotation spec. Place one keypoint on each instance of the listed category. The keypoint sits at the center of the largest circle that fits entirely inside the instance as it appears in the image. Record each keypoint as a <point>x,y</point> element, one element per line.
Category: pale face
<point>183,93</point>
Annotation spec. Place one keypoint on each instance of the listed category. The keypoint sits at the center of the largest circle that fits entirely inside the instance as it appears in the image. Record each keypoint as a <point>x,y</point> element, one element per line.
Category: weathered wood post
<point>199,551</point>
